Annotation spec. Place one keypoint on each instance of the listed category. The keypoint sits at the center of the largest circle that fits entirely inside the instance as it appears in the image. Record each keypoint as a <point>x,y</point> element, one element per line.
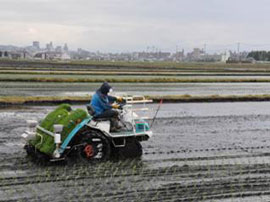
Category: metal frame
<point>138,99</point>
<point>72,134</point>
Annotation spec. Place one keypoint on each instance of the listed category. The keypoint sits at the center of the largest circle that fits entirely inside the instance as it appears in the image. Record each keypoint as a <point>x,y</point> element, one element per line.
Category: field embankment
<point>43,82</point>
<point>137,80</point>
<point>47,100</point>
<point>131,72</point>
<point>140,66</point>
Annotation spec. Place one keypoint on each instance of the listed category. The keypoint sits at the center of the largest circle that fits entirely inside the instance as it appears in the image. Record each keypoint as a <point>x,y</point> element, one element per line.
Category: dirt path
<point>200,152</point>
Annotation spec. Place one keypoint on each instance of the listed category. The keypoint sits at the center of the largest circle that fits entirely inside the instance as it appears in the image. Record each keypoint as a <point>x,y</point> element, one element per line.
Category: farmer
<point>103,106</point>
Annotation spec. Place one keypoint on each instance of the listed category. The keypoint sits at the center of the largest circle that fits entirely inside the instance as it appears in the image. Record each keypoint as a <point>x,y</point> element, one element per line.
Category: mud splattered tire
<point>93,147</point>
<point>133,149</point>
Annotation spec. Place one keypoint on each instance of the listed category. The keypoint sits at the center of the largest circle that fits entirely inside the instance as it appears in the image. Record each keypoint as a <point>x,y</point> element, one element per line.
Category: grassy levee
<point>210,98</point>
<point>33,100</point>
<point>136,80</point>
<point>129,73</point>
<point>39,100</point>
<point>140,66</point>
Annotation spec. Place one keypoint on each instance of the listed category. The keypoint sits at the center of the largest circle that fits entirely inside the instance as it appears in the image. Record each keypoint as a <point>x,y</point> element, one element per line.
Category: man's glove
<point>115,106</point>
<point>119,99</point>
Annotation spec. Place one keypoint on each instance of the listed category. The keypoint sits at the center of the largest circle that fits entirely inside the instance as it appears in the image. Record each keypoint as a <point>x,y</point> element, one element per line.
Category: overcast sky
<point>128,25</point>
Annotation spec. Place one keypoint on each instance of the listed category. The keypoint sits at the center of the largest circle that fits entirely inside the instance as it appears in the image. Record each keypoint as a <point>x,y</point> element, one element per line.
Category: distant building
<point>65,48</point>
<point>51,55</point>
<point>4,54</point>
<point>179,56</point>
<point>65,56</point>
<point>196,55</point>
<point>19,54</point>
<point>58,49</point>
<point>36,45</point>
<point>40,56</point>
<point>153,56</point>
<point>225,56</point>
<point>49,47</point>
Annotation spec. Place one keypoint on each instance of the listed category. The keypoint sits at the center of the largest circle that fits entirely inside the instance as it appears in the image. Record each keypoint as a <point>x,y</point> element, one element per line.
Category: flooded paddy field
<point>199,152</point>
<point>84,89</point>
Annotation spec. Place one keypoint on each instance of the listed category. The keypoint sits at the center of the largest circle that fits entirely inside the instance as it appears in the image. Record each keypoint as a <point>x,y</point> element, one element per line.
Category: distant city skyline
<point>234,47</point>
<point>52,52</point>
<point>134,25</point>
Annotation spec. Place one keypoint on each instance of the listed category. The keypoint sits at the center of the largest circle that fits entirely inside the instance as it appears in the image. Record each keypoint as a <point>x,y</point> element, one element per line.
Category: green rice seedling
<point>62,115</point>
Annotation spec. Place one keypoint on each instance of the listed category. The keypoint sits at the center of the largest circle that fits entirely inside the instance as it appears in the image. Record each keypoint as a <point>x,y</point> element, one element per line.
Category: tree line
<point>260,55</point>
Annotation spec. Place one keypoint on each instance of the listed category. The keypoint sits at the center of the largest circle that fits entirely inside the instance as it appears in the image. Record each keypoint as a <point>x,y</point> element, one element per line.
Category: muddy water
<point>83,89</point>
<point>200,152</point>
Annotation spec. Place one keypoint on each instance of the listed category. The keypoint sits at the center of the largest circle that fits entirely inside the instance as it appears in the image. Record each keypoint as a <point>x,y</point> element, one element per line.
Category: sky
<point>137,25</point>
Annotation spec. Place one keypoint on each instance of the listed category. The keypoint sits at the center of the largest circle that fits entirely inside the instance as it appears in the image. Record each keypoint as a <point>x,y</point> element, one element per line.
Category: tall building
<point>49,46</point>
<point>65,48</point>
<point>36,45</point>
<point>197,53</point>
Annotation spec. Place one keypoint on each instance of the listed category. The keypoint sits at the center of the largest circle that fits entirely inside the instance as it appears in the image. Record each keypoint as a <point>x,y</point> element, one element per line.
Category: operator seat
<point>92,112</point>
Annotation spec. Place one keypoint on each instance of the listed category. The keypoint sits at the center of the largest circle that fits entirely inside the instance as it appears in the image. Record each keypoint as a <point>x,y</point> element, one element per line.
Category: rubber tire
<point>133,149</point>
<point>86,137</point>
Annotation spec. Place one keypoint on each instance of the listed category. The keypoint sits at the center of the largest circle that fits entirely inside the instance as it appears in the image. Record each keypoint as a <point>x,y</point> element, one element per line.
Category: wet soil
<point>199,152</point>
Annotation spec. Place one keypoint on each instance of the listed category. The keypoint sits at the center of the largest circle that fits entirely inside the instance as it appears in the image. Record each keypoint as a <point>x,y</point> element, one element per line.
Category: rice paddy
<point>214,151</point>
<point>199,152</point>
<point>45,82</point>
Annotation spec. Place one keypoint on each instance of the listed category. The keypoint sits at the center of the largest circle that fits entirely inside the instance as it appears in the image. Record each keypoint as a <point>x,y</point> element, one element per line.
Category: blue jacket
<point>101,101</point>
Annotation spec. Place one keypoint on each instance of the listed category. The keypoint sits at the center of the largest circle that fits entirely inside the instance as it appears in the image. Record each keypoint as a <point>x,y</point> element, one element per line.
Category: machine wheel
<point>133,149</point>
<point>93,147</point>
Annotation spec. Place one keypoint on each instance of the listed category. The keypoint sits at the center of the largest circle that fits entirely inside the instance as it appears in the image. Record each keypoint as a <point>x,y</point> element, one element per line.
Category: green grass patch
<point>203,66</point>
<point>131,73</point>
<point>211,98</point>
<point>136,80</point>
<point>21,100</point>
<point>176,65</point>
<point>28,100</point>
